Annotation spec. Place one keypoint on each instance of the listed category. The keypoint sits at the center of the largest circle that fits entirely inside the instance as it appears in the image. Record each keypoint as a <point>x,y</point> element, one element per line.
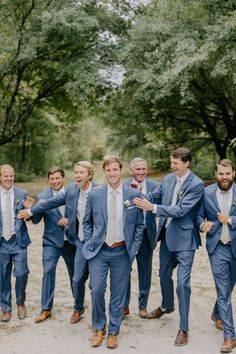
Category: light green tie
<point>111,223</point>
<point>225,237</point>
<point>7,217</point>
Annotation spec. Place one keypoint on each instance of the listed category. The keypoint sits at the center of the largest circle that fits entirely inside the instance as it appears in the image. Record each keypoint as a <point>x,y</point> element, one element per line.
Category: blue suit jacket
<point>22,235</point>
<point>208,210</point>
<point>95,222</point>
<point>70,200</point>
<point>53,234</point>
<point>181,234</point>
<point>150,219</point>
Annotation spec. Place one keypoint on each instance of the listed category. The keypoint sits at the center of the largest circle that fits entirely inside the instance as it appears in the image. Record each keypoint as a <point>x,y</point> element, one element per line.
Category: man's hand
<point>207,226</point>
<point>63,222</point>
<point>23,214</point>
<point>223,218</point>
<point>143,203</point>
<point>29,202</point>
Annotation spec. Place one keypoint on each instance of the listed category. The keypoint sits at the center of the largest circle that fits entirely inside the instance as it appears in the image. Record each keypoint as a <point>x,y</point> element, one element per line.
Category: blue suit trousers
<point>12,256</point>
<point>144,263</point>
<point>183,260</point>
<point>222,262</point>
<point>81,273</point>
<point>51,257</point>
<point>117,261</point>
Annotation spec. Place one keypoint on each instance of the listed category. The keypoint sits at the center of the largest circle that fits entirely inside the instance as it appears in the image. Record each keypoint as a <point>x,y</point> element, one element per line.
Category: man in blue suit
<point>217,217</point>
<point>176,203</point>
<point>13,244</point>
<point>55,243</point>
<point>74,199</point>
<point>138,168</point>
<point>113,230</point>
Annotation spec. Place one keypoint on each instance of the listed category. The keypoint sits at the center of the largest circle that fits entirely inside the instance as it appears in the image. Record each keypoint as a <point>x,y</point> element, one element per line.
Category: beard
<point>225,187</point>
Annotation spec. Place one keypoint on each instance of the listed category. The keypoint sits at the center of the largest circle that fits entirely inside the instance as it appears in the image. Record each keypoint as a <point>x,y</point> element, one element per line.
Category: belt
<point>116,244</point>
<point>228,244</point>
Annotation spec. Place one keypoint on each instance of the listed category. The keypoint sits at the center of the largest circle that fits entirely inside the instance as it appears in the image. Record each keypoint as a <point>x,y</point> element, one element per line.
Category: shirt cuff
<point>154,211</point>
<point>30,212</point>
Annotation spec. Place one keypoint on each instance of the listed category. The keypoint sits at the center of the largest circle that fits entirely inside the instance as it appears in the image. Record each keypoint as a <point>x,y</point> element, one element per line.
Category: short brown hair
<point>182,153</point>
<point>108,160</point>
<point>225,163</point>
<point>88,165</point>
<point>55,169</point>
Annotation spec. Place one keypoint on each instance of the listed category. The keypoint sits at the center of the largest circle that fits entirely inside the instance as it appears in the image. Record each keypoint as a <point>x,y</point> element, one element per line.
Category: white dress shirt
<point>119,234</point>
<point>3,198</point>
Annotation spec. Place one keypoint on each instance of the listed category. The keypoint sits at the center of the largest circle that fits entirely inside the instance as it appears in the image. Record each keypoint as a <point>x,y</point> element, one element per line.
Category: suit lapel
<point>233,204</point>
<point>213,197</point>
<point>171,189</point>
<point>103,200</point>
<point>126,194</point>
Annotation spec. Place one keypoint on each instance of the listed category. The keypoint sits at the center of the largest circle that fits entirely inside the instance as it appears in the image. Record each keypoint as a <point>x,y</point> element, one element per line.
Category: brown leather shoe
<point>143,313</point>
<point>112,341</point>
<point>97,337</point>
<point>158,313</point>
<point>126,311</point>
<point>6,316</point>
<point>218,323</point>
<point>76,316</point>
<point>182,338</point>
<point>228,345</point>
<point>21,311</point>
<point>43,316</point>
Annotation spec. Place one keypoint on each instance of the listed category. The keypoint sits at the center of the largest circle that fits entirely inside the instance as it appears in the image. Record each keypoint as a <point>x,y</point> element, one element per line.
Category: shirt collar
<point>9,190</point>
<point>110,190</point>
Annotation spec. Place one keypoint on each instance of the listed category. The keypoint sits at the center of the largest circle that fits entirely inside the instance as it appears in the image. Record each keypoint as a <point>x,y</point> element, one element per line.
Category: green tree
<point>51,53</point>
<point>179,85</point>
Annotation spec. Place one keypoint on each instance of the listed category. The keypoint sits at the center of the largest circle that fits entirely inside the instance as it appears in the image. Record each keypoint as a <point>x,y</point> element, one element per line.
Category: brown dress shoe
<point>228,345</point>
<point>218,323</point>
<point>76,316</point>
<point>126,311</point>
<point>158,313</point>
<point>112,341</point>
<point>182,338</point>
<point>21,311</point>
<point>143,313</point>
<point>6,316</point>
<point>97,337</point>
<point>43,316</point>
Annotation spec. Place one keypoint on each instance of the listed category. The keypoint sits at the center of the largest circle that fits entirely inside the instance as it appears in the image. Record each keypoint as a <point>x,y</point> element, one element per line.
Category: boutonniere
<point>127,203</point>
<point>179,194</point>
<point>17,201</point>
<point>234,202</point>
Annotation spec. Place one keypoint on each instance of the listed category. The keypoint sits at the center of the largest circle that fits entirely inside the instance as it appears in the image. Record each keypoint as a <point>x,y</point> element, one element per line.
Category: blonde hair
<point>88,165</point>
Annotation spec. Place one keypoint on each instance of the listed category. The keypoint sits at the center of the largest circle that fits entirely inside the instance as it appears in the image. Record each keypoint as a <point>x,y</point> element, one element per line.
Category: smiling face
<point>82,177</point>
<point>179,167</point>
<point>139,171</point>
<point>56,181</point>
<point>224,177</point>
<point>7,177</point>
<point>112,173</point>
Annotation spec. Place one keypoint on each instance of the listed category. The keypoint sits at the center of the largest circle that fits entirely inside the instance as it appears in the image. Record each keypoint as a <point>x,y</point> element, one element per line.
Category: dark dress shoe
<point>21,312</point>
<point>76,316</point>
<point>6,316</point>
<point>126,311</point>
<point>157,313</point>
<point>182,338</point>
<point>43,316</point>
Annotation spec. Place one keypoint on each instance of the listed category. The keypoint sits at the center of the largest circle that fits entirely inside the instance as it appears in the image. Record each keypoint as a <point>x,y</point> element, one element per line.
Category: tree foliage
<point>51,53</point>
<point>179,85</point>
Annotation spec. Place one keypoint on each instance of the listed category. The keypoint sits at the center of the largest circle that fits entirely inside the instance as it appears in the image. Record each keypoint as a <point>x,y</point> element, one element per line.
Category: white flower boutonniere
<point>126,203</point>
<point>179,194</point>
<point>234,202</point>
<point>17,201</point>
